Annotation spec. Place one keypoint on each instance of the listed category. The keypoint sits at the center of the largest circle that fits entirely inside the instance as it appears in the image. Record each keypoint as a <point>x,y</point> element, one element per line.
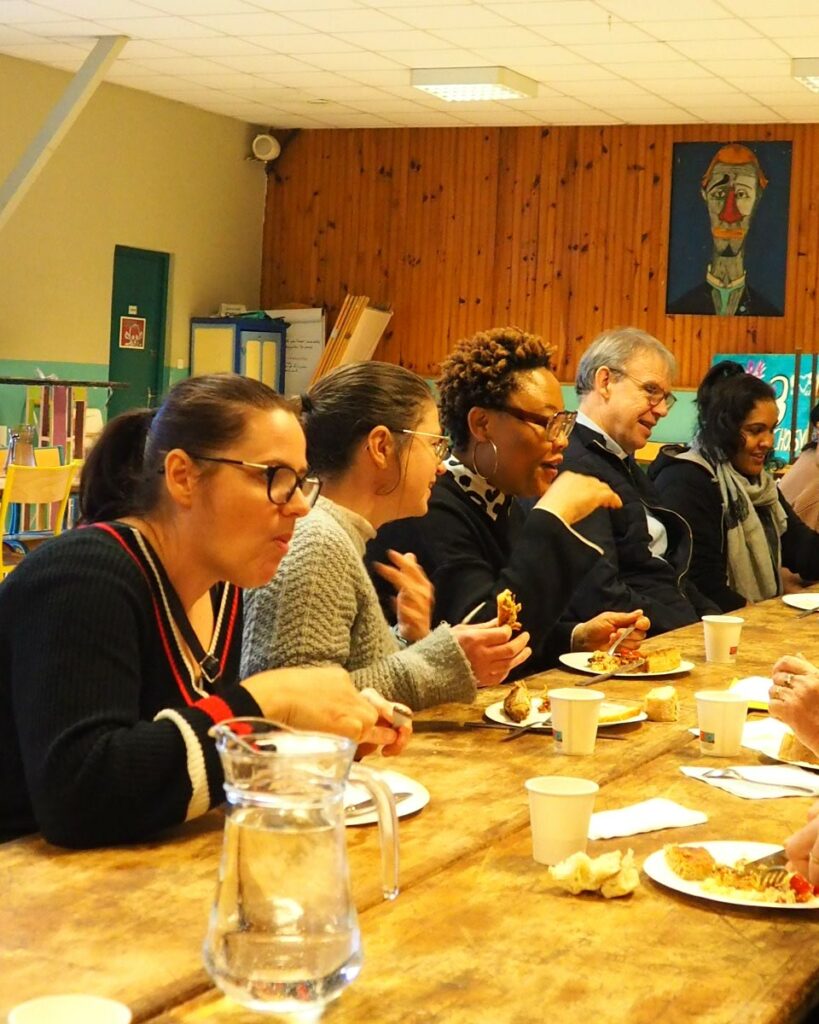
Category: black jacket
<point>692,490</point>
<point>470,558</point>
<point>630,576</point>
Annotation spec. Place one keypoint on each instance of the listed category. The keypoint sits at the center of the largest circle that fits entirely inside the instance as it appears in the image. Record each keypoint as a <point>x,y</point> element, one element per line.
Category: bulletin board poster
<point>779,371</point>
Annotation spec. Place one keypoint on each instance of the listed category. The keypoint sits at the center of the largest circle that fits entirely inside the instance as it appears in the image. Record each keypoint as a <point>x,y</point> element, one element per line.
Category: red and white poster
<point>132,332</point>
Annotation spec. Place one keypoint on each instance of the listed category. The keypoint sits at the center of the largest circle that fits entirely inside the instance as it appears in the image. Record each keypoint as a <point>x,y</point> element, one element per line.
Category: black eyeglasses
<point>560,424</point>
<point>282,481</point>
<point>653,392</point>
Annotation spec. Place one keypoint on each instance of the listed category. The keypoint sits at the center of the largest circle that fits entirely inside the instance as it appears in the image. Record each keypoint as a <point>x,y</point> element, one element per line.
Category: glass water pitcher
<point>283,936</point>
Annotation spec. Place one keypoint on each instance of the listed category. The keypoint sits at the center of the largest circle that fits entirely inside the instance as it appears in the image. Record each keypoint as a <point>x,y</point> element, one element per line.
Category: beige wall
<point>134,170</point>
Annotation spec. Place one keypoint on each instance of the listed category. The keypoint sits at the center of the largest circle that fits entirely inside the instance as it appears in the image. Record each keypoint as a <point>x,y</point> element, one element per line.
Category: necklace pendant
<point>210,668</point>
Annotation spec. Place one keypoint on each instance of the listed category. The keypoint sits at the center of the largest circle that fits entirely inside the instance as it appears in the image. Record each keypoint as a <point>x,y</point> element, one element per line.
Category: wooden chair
<point>32,485</point>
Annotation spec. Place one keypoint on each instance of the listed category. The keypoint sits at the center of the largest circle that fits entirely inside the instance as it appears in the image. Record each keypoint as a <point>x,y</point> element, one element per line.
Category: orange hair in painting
<point>734,153</point>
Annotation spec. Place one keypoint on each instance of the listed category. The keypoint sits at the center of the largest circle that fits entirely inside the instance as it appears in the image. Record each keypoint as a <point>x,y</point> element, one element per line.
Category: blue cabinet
<point>252,347</point>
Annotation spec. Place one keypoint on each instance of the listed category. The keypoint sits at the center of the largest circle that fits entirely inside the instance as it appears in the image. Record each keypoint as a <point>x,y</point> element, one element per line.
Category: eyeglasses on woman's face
<point>558,425</point>
<point>282,481</point>
<point>439,443</point>
<point>655,395</point>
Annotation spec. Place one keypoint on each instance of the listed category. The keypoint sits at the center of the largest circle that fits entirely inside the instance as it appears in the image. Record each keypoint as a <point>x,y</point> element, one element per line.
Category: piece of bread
<point>612,874</point>
<point>662,704</point>
<point>517,704</point>
<point>693,863</point>
<point>666,659</point>
<point>611,712</point>
<point>793,749</point>
<point>508,610</point>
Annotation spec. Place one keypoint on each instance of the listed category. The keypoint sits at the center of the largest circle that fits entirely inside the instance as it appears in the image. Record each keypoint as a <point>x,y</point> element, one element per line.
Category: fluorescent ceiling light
<point>806,71</point>
<point>459,84</point>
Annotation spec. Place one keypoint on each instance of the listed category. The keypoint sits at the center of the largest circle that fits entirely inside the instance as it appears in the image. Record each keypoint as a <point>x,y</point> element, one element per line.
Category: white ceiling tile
<point>644,53</point>
<point>713,49</point>
<point>156,28</point>
<point>426,118</point>
<point>363,60</point>
<point>581,117</point>
<point>216,46</point>
<point>801,46</point>
<point>652,70</point>
<point>762,8</point>
<point>262,62</point>
<point>181,65</point>
<point>286,6</point>
<point>98,8</point>
<point>191,8</point>
<point>606,35</point>
<point>507,117</point>
<point>381,77</point>
<point>448,16</point>
<point>663,114</point>
<point>64,30</point>
<point>729,67</point>
<point>568,12</point>
<point>309,42</point>
<point>438,58</point>
<point>10,35</point>
<point>227,81</point>
<point>468,37</point>
<point>360,20</point>
<point>136,49</point>
<point>12,12</point>
<point>612,87</point>
<point>661,10</point>
<point>566,75</point>
<point>303,79</point>
<point>249,25</point>
<point>408,39</point>
<point>351,93</point>
<point>724,28</point>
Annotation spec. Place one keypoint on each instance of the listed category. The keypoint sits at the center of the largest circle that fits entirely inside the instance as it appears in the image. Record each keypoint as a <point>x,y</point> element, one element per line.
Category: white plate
<point>765,736</point>
<point>726,852</point>
<point>495,713</point>
<point>579,660</point>
<point>805,602</point>
<point>398,783</point>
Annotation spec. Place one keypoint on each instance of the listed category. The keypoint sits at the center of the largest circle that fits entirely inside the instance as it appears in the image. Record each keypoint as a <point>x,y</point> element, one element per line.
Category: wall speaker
<point>265,147</point>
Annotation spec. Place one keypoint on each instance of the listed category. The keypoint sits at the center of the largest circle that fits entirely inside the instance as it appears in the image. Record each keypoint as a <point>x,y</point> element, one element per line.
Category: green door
<point>138,310</point>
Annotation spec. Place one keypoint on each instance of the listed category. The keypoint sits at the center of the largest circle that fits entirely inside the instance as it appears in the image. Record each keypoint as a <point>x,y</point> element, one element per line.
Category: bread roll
<point>662,704</point>
<point>793,749</point>
<point>613,874</point>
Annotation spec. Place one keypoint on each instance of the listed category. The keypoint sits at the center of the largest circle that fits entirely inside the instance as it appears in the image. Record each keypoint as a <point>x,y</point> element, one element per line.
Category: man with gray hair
<point>624,386</point>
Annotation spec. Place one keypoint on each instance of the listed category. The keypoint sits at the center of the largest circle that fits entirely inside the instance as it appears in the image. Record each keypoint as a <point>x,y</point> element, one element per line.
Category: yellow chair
<point>32,485</point>
<point>49,457</point>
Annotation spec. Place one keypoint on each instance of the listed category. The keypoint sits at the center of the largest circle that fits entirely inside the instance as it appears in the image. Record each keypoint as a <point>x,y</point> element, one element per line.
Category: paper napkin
<point>755,688</point>
<point>761,781</point>
<point>648,816</point>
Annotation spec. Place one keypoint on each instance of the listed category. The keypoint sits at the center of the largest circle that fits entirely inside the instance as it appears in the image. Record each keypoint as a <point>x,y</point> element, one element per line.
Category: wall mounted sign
<point>729,228</point>
<point>132,332</point>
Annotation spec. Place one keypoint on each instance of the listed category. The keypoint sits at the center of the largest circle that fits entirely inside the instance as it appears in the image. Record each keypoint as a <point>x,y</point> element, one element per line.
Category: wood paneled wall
<point>562,231</point>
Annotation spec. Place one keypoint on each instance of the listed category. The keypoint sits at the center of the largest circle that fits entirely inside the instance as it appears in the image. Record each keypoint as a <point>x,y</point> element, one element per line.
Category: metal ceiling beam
<point>69,107</point>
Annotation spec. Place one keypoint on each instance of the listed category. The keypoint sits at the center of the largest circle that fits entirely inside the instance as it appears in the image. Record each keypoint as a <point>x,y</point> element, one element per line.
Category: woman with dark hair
<point>374,439</point>
<point>502,406</point>
<point>120,641</point>
<point>743,529</point>
<point>800,484</point>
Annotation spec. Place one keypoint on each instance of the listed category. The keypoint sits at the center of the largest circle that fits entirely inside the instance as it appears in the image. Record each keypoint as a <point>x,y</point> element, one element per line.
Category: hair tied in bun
<point>306,402</point>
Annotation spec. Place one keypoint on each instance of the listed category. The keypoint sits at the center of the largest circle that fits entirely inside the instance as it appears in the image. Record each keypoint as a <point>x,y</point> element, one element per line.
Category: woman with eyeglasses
<point>502,406</point>
<point>374,439</point>
<point>120,641</point>
<point>743,528</point>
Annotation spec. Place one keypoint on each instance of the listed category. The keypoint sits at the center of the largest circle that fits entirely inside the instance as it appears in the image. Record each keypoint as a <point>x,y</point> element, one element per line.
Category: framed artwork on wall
<point>728,240</point>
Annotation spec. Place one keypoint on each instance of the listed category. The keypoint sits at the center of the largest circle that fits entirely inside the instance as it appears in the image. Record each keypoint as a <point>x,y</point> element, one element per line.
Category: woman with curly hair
<point>722,479</point>
<point>501,405</point>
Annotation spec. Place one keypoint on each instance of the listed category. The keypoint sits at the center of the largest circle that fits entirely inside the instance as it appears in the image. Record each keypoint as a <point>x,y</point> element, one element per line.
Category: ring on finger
<point>786,680</point>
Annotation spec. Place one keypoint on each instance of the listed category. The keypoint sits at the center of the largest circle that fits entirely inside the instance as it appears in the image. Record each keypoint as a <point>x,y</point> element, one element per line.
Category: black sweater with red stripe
<point>103,733</point>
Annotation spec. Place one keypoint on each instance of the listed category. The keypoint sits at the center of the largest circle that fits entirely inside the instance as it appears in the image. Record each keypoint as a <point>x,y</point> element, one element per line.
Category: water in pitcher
<point>284,936</point>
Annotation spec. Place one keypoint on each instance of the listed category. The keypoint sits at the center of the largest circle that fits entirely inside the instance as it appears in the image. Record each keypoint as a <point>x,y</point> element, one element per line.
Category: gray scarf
<point>754,553</point>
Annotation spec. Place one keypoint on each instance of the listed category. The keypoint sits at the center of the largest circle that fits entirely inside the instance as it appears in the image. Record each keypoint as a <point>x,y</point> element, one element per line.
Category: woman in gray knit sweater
<point>374,439</point>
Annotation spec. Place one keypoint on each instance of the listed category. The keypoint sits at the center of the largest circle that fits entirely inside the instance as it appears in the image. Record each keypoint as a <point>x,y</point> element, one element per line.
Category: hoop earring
<point>475,459</point>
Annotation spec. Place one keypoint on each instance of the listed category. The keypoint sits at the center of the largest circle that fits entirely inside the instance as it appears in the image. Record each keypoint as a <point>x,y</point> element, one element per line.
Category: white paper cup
<point>720,719</point>
<point>722,638</point>
<point>70,1009</point>
<point>559,809</point>
<point>575,714</point>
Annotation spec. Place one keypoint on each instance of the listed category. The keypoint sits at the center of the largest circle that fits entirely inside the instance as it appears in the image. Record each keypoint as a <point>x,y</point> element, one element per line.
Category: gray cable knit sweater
<point>321,607</point>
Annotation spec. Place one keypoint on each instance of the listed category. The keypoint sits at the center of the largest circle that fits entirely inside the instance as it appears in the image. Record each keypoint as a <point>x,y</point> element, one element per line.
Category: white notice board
<point>305,343</point>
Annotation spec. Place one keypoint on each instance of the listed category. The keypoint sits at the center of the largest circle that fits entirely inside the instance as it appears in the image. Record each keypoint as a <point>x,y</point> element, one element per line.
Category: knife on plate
<point>440,725</point>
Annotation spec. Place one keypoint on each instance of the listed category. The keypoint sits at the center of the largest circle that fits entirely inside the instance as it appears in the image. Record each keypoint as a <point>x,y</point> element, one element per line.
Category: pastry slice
<point>518,702</point>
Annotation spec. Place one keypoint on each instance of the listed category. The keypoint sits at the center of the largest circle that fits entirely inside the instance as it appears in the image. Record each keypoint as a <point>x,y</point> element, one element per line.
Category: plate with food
<point>775,740</point>
<point>665,661</point>
<point>526,709</point>
<point>719,872</point>
<point>804,602</point>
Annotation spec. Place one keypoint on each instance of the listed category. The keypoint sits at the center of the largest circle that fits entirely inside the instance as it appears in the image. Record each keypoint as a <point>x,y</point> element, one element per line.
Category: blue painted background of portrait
<point>766,247</point>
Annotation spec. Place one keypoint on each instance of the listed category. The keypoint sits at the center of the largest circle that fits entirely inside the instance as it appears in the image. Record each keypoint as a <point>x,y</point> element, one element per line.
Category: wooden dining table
<point>479,932</point>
